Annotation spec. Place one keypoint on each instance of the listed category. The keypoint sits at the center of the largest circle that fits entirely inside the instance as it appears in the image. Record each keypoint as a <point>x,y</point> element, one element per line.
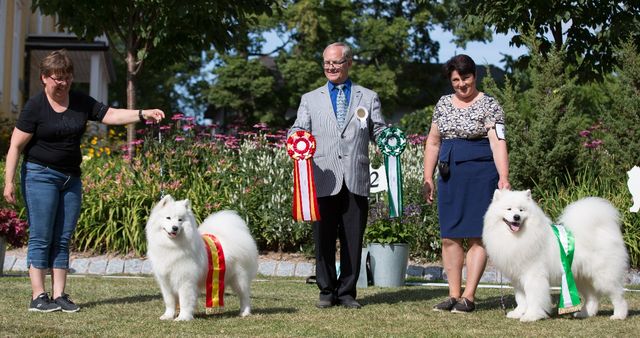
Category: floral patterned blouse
<point>467,123</point>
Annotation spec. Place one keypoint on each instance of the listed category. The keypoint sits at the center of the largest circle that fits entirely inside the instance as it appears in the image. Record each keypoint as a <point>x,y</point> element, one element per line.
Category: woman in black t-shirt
<point>48,133</point>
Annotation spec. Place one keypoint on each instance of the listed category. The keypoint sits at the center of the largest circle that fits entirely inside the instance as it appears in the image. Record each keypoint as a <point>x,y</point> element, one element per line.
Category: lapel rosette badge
<point>392,142</point>
<point>301,146</point>
<point>362,114</point>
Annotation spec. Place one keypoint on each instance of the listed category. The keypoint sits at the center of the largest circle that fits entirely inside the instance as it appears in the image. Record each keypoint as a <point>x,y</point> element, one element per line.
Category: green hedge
<point>252,174</point>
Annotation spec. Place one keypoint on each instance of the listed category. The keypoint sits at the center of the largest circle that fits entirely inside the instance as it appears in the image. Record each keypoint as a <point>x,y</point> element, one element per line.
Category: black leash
<point>502,305</point>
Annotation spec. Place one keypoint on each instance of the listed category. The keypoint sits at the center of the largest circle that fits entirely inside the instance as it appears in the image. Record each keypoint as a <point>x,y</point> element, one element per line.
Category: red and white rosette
<point>301,146</point>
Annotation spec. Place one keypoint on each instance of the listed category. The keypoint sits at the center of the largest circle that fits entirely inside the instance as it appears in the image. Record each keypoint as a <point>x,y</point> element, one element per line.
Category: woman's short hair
<point>58,63</point>
<point>461,63</point>
<point>347,54</point>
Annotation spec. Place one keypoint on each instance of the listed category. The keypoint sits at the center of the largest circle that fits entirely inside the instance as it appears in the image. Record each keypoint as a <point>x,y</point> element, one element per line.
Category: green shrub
<point>250,174</point>
<point>589,183</point>
<point>419,224</point>
<point>542,121</point>
<point>621,119</point>
<point>6,128</point>
<point>417,122</point>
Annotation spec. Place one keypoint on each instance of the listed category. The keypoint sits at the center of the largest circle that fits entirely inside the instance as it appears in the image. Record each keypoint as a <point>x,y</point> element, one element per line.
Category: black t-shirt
<point>57,136</point>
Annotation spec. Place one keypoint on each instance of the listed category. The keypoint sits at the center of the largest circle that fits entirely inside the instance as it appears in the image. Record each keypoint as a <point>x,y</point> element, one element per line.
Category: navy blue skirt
<point>465,192</point>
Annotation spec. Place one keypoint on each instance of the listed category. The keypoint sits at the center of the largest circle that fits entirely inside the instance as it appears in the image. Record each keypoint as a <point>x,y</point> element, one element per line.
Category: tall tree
<point>390,40</point>
<point>174,28</point>
<point>589,30</point>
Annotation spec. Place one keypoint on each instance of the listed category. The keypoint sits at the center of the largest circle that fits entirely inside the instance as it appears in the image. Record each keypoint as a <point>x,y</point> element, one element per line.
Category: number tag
<point>377,179</point>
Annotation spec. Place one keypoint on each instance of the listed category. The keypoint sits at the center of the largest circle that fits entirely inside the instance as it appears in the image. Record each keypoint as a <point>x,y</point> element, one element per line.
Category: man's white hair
<point>346,50</point>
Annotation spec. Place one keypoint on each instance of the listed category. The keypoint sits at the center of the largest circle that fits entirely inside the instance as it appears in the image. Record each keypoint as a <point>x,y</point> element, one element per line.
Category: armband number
<point>500,133</point>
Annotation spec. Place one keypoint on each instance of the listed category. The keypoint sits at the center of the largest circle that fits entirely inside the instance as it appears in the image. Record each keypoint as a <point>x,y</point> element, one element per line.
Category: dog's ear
<point>186,203</point>
<point>165,200</point>
<point>528,193</point>
<point>496,194</point>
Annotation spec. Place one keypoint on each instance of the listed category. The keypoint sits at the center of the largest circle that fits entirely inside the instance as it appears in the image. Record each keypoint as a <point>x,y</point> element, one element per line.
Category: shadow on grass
<point>509,301</point>
<point>233,313</point>
<point>404,295</point>
<point>435,296</point>
<point>14,274</point>
<point>123,300</point>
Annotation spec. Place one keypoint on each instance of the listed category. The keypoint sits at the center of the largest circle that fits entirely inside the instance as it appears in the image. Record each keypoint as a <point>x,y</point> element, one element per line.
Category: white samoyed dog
<point>521,244</point>
<point>179,258</point>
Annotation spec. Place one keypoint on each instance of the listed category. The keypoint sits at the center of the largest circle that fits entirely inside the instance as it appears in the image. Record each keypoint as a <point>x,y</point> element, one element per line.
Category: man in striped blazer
<point>343,117</point>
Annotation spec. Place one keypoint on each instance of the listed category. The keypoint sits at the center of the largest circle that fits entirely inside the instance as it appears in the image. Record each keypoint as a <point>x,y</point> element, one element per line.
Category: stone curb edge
<point>266,267</point>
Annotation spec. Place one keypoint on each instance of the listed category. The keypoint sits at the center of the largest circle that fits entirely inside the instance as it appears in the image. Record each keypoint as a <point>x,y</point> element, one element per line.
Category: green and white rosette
<point>569,297</point>
<point>392,143</point>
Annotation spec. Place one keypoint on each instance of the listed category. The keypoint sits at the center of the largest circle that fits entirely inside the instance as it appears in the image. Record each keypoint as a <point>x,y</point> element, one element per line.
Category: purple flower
<point>585,133</point>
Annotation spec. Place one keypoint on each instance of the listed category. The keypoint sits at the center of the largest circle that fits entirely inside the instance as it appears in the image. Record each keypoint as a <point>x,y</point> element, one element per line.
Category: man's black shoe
<point>350,303</point>
<point>325,303</point>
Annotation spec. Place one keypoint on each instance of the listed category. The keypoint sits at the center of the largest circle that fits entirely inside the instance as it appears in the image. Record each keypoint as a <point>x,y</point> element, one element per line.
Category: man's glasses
<point>59,80</point>
<point>335,64</point>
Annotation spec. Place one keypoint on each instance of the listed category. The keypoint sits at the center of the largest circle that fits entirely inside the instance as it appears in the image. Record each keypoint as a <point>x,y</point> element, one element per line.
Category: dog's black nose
<point>516,217</point>
<point>174,228</point>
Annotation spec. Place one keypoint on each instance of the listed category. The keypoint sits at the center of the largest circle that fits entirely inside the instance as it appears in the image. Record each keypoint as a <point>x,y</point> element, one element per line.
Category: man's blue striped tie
<point>341,106</point>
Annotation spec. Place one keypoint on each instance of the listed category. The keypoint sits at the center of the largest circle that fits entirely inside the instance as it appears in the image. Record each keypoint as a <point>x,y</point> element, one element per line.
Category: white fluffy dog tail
<point>591,211</point>
<point>595,221</point>
<point>221,220</point>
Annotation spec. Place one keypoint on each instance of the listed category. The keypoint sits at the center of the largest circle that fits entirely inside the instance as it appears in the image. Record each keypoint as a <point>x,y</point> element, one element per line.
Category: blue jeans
<point>53,207</point>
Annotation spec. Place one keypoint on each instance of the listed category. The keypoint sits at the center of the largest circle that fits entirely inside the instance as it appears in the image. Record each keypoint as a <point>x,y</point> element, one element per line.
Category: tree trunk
<point>131,98</point>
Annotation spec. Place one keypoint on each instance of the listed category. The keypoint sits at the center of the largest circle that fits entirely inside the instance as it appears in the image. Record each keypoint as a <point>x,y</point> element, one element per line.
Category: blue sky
<point>482,53</point>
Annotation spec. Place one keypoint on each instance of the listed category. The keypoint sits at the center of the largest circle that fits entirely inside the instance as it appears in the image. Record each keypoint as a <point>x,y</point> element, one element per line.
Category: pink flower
<point>261,126</point>
<point>585,133</point>
<point>179,139</point>
<point>176,117</point>
<point>12,227</point>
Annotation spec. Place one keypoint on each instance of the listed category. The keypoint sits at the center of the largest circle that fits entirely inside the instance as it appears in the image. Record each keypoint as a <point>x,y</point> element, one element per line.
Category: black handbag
<point>443,169</point>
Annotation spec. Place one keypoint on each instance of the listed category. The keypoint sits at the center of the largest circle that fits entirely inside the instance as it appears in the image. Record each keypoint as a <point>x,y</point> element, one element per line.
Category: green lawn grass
<point>130,307</point>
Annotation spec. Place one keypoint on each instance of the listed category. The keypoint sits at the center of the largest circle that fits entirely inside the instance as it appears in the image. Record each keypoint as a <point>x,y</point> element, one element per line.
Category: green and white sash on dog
<point>569,297</point>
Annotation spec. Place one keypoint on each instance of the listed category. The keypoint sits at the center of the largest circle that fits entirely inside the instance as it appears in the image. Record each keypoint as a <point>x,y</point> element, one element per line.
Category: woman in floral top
<point>467,142</point>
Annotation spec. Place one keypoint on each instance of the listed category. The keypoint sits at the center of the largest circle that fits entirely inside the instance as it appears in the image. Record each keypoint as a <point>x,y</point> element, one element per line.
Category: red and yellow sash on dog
<point>215,275</point>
